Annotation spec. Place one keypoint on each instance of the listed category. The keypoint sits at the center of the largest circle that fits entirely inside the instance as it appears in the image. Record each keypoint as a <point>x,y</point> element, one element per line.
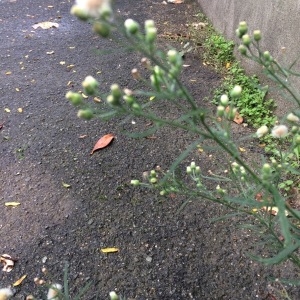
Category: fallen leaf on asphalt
<point>12,204</point>
<point>65,185</point>
<point>103,142</point>
<point>62,63</point>
<point>176,1</point>
<point>45,25</point>
<point>7,110</point>
<point>7,261</point>
<point>109,250</point>
<point>17,89</point>
<point>83,136</point>
<point>96,99</point>
<point>50,52</point>
<point>20,109</point>
<point>19,281</point>
<point>8,72</point>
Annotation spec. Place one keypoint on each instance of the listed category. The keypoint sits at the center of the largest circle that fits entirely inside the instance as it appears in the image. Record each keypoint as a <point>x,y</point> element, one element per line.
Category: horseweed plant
<point>244,189</point>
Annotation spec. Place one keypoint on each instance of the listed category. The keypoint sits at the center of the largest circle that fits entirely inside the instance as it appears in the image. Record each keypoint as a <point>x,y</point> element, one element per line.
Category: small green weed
<point>218,52</point>
<point>252,105</point>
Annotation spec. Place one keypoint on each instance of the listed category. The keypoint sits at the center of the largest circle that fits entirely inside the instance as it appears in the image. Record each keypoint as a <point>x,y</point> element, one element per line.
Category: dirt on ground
<point>44,148</point>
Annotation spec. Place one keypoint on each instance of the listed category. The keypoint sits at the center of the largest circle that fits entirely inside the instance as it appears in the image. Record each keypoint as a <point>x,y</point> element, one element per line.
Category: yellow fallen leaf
<point>66,185</point>
<point>84,96</point>
<point>20,109</point>
<point>200,149</point>
<point>109,250</point>
<point>228,65</point>
<point>50,52</point>
<point>72,47</point>
<point>242,149</point>
<point>96,99</point>
<point>19,281</point>
<point>12,203</point>
<point>152,98</point>
<point>7,110</point>
<point>17,89</point>
<point>8,72</point>
<point>62,63</point>
<point>70,66</point>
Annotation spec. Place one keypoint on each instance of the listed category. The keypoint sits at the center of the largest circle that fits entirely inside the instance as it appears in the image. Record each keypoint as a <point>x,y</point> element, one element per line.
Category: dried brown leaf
<point>103,142</point>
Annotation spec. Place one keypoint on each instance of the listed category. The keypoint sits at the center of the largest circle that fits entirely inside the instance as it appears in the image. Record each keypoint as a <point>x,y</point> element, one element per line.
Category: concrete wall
<point>278,20</point>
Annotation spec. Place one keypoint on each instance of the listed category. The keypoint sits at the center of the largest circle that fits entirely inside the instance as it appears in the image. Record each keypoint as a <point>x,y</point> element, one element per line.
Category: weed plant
<point>246,190</point>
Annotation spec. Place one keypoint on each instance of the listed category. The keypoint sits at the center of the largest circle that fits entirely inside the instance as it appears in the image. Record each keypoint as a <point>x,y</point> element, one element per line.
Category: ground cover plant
<point>246,190</point>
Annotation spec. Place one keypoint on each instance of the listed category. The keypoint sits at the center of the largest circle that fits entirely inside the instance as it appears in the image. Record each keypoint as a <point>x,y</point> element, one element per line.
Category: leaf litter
<point>103,142</point>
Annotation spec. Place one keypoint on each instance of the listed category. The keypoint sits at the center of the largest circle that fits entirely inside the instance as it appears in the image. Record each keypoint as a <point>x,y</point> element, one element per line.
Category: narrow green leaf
<point>180,158</point>
<point>281,256</point>
<point>227,216</point>
<point>66,282</point>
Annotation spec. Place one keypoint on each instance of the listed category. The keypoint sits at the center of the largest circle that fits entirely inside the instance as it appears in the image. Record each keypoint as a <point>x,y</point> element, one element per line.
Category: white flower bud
<point>220,111</point>
<point>279,131</point>
<point>90,85</point>
<point>261,131</point>
<point>6,293</point>
<point>246,39</point>
<point>257,35</point>
<point>151,34</point>
<point>188,170</point>
<point>293,118</point>
<point>131,26</point>
<point>135,182</point>
<point>236,91</point>
<point>113,296</point>
<point>149,24</point>
<point>224,100</point>
<point>54,291</point>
